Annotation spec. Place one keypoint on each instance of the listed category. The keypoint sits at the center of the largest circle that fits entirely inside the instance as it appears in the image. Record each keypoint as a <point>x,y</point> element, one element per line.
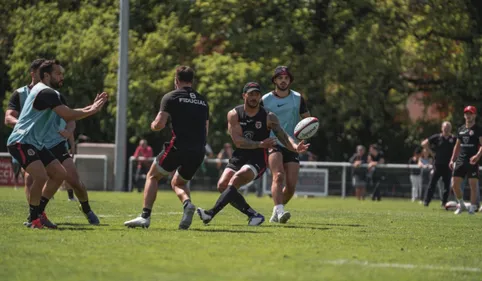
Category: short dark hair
<point>36,64</point>
<point>185,74</point>
<point>47,67</point>
<point>375,146</point>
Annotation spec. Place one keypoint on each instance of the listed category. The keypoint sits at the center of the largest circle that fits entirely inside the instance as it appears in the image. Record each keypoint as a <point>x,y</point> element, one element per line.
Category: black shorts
<point>288,155</point>
<point>185,161</point>
<point>463,170</point>
<point>61,152</point>
<point>256,162</point>
<point>25,154</point>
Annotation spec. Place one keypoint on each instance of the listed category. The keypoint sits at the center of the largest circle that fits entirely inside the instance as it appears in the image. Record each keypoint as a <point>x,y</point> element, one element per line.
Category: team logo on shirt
<point>466,139</point>
<point>30,152</point>
<point>258,124</point>
<point>471,132</point>
<point>248,134</point>
<point>451,140</point>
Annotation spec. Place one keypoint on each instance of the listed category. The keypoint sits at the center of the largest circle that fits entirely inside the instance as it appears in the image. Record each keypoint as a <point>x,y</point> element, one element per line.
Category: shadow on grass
<point>295,226</point>
<point>73,228</point>
<point>193,229</point>
<point>79,224</point>
<point>227,230</point>
<point>334,224</point>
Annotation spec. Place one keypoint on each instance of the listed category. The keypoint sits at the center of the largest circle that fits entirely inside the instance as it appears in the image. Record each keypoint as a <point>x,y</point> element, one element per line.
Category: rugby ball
<point>306,128</point>
<point>452,205</point>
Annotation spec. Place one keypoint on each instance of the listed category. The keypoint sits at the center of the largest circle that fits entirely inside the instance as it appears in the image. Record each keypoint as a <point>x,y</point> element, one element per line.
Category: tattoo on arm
<point>279,132</point>
<point>248,144</point>
<point>236,133</point>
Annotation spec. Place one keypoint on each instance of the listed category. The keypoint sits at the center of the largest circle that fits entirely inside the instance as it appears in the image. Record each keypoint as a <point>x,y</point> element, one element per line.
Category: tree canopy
<point>356,62</point>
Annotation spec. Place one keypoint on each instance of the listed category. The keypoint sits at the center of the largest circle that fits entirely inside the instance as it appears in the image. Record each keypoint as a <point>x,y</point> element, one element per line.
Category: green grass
<point>326,239</point>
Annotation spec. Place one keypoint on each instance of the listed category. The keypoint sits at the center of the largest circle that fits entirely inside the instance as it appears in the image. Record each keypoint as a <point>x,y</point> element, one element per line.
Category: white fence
<point>316,178</point>
<point>92,170</point>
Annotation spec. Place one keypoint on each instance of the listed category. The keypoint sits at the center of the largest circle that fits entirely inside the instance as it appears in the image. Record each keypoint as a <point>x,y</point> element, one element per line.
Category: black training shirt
<point>189,112</point>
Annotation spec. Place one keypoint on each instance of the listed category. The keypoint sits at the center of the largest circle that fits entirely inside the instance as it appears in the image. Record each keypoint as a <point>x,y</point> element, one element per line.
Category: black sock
<point>34,212</point>
<point>85,207</point>
<point>240,203</point>
<point>43,203</point>
<point>185,203</point>
<point>224,199</point>
<point>146,213</point>
<point>70,192</point>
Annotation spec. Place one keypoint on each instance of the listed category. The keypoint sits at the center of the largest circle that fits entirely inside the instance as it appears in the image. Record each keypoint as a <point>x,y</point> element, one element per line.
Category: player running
<point>465,159</point>
<point>189,114</point>
<point>57,143</point>
<point>26,143</point>
<point>14,108</point>
<point>250,126</point>
<point>284,164</point>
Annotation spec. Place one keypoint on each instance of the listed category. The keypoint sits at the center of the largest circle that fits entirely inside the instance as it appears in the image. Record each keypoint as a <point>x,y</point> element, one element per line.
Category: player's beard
<point>282,86</point>
<point>252,103</point>
<point>56,84</point>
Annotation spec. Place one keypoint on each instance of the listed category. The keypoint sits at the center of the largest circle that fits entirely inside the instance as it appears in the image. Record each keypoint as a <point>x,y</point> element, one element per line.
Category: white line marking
<point>401,265</point>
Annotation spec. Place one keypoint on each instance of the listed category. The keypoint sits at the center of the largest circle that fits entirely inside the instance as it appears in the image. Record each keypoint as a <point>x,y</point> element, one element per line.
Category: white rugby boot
<point>138,222</point>
<point>284,217</point>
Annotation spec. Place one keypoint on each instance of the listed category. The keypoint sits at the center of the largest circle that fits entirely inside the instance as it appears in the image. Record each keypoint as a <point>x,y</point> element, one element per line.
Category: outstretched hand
<point>302,146</point>
<point>99,101</point>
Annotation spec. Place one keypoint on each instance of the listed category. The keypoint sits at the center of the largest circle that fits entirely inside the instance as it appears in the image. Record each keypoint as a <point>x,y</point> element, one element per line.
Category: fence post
<point>130,174</point>
<point>343,183</point>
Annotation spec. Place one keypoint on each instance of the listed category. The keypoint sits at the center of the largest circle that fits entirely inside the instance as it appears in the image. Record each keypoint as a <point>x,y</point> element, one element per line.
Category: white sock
<point>279,209</point>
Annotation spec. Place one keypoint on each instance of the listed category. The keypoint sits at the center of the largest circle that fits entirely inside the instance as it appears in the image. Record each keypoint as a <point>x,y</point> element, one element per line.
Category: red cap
<point>470,109</point>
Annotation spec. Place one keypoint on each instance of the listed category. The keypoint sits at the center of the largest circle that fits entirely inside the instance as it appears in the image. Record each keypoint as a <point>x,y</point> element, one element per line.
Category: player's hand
<point>65,134</point>
<point>302,146</point>
<point>474,160</point>
<point>451,165</point>
<point>357,163</point>
<point>102,95</point>
<point>155,126</point>
<point>99,103</point>
<point>268,143</point>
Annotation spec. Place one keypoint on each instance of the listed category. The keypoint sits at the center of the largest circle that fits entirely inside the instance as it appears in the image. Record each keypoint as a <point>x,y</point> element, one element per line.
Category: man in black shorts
<point>465,159</point>
<point>189,114</point>
<point>441,145</point>
<point>26,144</point>
<point>14,108</point>
<point>249,125</point>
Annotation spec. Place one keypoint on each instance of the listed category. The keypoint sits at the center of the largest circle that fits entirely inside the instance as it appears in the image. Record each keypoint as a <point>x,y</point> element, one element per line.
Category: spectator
<point>374,177</point>
<point>142,154</point>
<point>415,175</point>
<point>358,172</point>
<point>225,153</point>
<point>425,163</point>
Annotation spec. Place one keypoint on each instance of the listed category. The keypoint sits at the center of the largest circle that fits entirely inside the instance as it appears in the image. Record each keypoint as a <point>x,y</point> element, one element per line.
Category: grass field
<point>326,239</point>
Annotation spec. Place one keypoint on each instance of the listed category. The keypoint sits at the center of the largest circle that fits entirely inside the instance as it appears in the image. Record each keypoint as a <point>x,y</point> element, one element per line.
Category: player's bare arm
<point>283,137</point>
<point>160,122</point>
<point>475,159</point>
<point>236,132</point>
<point>455,154</point>
<point>11,118</point>
<point>207,127</point>
<point>69,114</point>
